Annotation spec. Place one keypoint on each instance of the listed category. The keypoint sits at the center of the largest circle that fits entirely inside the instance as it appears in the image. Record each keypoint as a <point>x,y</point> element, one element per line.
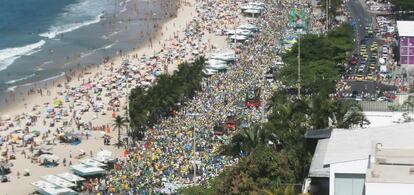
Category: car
<point>374,48</point>
<point>372,67</point>
<point>365,55</point>
<point>359,77</point>
<point>383,99</point>
<point>370,77</point>
<point>3,178</point>
<point>363,62</point>
<point>354,61</point>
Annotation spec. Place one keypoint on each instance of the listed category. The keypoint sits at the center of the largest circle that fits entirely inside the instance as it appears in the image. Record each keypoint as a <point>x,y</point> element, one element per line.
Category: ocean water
<point>42,39</point>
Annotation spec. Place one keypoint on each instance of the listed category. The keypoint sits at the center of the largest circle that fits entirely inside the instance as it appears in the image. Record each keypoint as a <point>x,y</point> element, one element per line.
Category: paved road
<point>361,19</point>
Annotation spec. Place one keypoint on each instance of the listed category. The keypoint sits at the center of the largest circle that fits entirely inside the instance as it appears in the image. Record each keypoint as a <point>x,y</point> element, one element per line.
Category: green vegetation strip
<point>148,106</point>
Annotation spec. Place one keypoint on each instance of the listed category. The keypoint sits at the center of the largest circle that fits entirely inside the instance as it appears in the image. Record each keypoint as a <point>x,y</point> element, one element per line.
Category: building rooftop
<point>405,28</point>
<point>348,145</point>
<point>316,168</point>
<point>392,166</point>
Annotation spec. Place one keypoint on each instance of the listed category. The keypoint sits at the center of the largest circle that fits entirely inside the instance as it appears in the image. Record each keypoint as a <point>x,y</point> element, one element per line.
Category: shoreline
<point>121,32</point>
<point>162,38</point>
<point>158,37</point>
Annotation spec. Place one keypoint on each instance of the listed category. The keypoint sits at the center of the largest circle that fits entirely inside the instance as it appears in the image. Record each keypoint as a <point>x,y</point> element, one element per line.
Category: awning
<point>47,188</point>
<point>70,177</point>
<point>86,170</point>
<point>53,179</point>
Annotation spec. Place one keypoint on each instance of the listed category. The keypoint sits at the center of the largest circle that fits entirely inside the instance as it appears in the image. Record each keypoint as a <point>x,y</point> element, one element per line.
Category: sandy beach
<point>35,104</point>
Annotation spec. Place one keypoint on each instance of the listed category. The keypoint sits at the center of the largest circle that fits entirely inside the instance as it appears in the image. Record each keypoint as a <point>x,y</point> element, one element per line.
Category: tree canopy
<point>321,57</point>
<point>147,106</point>
<point>406,5</point>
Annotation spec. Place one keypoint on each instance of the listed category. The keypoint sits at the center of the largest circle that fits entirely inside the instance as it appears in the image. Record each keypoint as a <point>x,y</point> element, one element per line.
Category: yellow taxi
<point>374,48</point>
<point>359,78</point>
<point>372,66</point>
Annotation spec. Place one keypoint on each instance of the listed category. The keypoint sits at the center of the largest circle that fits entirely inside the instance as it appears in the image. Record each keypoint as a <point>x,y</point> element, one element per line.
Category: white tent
<point>238,37</point>
<point>47,188</point>
<point>48,157</point>
<point>58,181</point>
<point>91,162</point>
<point>250,27</point>
<point>209,72</point>
<point>86,170</point>
<point>70,177</point>
<point>252,11</point>
<point>224,56</point>
<point>244,32</point>
<point>217,66</point>
<point>104,156</point>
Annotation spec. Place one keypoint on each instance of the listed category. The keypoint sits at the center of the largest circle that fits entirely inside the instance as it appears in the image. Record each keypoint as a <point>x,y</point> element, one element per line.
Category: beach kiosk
<point>70,177</point>
<point>87,170</point>
<point>53,179</point>
<point>104,156</point>
<point>47,188</point>
<point>78,181</point>
<point>92,162</point>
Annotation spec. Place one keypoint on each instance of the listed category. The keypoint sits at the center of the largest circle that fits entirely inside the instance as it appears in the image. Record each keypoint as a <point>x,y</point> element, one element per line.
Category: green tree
<point>347,113</point>
<point>149,105</point>
<point>119,123</point>
<point>262,169</point>
<point>407,5</point>
<point>321,57</point>
<point>246,141</point>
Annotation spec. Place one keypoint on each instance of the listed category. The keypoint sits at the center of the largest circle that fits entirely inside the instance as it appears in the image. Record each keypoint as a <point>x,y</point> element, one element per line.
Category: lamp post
<point>194,115</point>
<point>299,80</point>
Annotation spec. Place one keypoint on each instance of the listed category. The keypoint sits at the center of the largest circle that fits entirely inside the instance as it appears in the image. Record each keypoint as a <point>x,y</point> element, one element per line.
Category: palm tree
<point>119,123</point>
<point>288,190</point>
<point>244,141</point>
<point>409,104</point>
<point>347,113</point>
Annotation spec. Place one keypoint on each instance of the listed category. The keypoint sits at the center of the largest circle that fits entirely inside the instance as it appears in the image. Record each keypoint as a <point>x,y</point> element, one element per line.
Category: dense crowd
<point>167,156</point>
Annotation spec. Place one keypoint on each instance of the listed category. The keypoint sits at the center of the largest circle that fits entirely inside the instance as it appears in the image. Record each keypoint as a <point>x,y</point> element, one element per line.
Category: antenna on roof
<point>378,145</point>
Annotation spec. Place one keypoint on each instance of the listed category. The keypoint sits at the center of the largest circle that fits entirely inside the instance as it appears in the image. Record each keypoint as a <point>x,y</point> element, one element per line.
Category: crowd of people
<point>183,150</point>
<point>180,150</point>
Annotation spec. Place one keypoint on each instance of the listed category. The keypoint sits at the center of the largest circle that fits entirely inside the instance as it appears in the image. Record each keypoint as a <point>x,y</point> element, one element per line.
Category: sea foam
<point>58,30</point>
<point>20,79</point>
<point>9,55</point>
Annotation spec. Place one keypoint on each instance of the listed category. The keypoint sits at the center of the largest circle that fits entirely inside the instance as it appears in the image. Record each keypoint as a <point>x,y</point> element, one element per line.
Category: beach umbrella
<point>87,86</point>
<point>27,137</point>
<point>49,157</point>
<point>57,103</point>
<point>157,73</point>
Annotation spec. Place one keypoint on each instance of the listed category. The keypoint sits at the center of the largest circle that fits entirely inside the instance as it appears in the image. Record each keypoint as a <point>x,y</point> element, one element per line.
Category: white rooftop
<point>86,170</point>
<point>92,162</point>
<point>58,181</point>
<point>392,166</point>
<point>316,168</point>
<point>405,28</point>
<point>47,188</point>
<point>379,119</point>
<point>349,145</point>
<point>70,177</point>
